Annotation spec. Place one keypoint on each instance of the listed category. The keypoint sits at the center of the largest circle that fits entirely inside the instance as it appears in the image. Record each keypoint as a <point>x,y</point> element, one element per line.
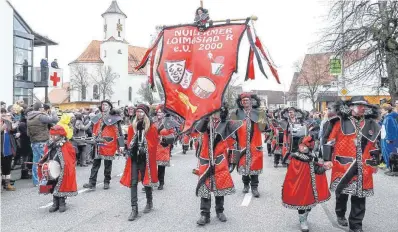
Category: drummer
<point>57,173</point>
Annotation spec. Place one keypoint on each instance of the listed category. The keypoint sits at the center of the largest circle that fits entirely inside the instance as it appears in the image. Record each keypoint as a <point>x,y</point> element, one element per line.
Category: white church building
<point>114,52</point>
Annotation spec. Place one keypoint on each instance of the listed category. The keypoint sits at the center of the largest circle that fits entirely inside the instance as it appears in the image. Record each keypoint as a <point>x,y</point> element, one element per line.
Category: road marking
<point>99,184</point>
<point>45,206</point>
<point>246,199</point>
<point>79,192</point>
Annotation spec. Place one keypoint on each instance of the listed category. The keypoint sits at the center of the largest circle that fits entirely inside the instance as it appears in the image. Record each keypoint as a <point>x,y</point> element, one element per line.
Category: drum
<point>51,169</point>
<point>203,87</point>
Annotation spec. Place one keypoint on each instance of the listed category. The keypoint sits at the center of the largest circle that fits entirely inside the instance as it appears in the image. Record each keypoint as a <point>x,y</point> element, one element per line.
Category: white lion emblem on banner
<point>175,70</point>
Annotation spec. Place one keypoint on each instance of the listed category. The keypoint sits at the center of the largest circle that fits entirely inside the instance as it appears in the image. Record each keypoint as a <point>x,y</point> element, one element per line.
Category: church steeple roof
<point>114,9</point>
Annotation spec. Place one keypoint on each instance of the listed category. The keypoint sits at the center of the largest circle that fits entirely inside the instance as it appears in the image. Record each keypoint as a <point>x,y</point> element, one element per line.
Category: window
<point>104,53</point>
<point>24,94</point>
<point>119,51</point>
<point>84,92</point>
<point>130,93</point>
<point>95,92</point>
<point>18,26</point>
<point>23,59</point>
<point>293,103</point>
<point>119,28</point>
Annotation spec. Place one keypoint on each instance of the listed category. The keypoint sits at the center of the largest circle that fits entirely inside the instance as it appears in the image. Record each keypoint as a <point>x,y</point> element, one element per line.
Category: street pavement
<point>176,208</point>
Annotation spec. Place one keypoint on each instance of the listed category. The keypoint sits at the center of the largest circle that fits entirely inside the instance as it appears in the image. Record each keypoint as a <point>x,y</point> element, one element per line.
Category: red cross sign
<point>55,77</point>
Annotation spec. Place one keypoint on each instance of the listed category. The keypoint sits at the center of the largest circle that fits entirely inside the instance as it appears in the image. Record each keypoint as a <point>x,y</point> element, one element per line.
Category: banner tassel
<point>253,47</point>
<point>250,66</point>
<point>146,56</point>
<point>259,45</point>
<point>153,57</point>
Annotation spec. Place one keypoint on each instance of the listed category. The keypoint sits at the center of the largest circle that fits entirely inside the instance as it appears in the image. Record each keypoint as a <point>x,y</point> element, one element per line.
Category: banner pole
<point>253,17</point>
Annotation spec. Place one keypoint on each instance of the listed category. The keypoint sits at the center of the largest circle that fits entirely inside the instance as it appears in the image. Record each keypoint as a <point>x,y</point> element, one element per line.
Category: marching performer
<point>107,128</point>
<point>250,141</point>
<point>277,140</point>
<point>57,171</point>
<point>352,152</point>
<point>141,163</point>
<point>293,130</point>
<point>166,131</point>
<point>213,170</point>
<point>305,183</point>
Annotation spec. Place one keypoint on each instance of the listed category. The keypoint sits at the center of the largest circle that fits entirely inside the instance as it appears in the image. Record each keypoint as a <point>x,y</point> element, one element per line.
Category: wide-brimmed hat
<point>359,100</point>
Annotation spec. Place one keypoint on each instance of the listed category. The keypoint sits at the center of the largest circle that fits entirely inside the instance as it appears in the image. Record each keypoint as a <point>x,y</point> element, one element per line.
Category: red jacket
<point>151,170</point>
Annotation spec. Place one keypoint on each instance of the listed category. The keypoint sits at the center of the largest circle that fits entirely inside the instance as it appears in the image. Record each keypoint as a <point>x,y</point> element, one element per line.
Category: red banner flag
<point>195,68</point>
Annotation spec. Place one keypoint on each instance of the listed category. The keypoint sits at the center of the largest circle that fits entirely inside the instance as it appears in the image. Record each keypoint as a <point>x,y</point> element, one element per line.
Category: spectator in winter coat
<point>38,122</point>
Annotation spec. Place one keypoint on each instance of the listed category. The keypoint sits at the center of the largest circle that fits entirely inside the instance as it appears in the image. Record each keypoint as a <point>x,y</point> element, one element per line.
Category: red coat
<point>345,149</point>
<point>163,153</point>
<point>108,150</point>
<point>223,184</point>
<point>302,188</point>
<point>151,170</point>
<point>276,140</point>
<point>66,185</point>
<point>252,162</point>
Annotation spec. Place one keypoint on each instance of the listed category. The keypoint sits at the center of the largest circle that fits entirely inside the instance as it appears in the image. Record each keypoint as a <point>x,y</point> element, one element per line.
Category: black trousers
<point>135,169</point>
<point>303,211</point>
<point>107,171</point>
<point>6,165</point>
<point>205,205</point>
<point>251,179</point>
<point>357,213</point>
<point>161,172</point>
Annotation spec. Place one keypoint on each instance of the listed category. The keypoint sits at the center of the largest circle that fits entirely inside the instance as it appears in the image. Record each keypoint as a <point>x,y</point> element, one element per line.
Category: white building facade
<point>17,43</point>
<point>112,52</point>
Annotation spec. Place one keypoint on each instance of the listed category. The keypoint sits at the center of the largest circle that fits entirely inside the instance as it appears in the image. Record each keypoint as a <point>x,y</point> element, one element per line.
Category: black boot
<point>246,188</point>
<point>222,217</point>
<point>342,221</point>
<point>149,203</point>
<point>62,204</point>
<point>255,192</point>
<point>55,205</point>
<point>134,213</point>
<point>160,186</point>
<point>89,186</point>
<point>203,220</point>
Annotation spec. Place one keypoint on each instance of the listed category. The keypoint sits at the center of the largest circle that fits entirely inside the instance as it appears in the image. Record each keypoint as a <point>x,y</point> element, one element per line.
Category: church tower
<point>114,22</point>
<point>114,51</point>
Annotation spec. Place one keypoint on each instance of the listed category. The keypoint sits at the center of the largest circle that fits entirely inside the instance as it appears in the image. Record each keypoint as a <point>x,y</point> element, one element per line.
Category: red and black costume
<point>277,139</point>
<point>250,141</point>
<point>351,144</point>
<point>141,164</point>
<point>107,129</point>
<point>166,131</point>
<point>63,153</point>
<point>293,130</point>
<point>213,166</point>
<point>269,133</point>
<point>305,183</point>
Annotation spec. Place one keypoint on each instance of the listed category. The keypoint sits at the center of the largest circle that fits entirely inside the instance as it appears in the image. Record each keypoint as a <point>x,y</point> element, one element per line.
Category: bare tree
<point>371,29</point>
<point>231,93</point>
<point>314,78</point>
<point>105,79</point>
<point>79,79</point>
<point>146,93</point>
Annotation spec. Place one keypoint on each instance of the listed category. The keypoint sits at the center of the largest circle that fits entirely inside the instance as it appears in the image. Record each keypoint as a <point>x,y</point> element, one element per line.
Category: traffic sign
<point>344,91</point>
<point>335,66</point>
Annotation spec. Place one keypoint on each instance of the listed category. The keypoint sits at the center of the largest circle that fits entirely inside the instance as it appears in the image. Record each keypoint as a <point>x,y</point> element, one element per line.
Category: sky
<point>287,29</point>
